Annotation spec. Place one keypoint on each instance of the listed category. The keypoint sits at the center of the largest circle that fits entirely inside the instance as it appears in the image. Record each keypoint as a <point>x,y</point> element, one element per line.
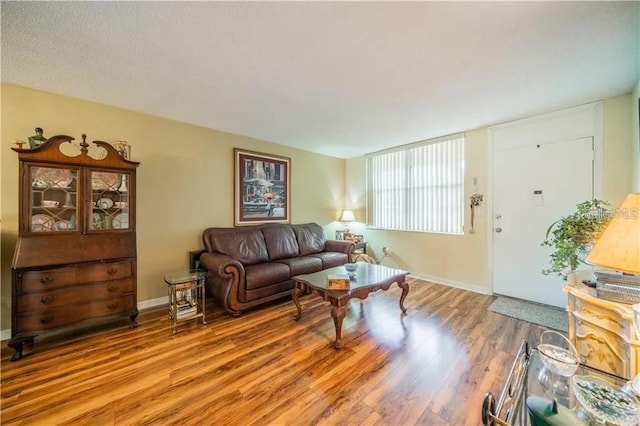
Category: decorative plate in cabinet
<point>105,180</point>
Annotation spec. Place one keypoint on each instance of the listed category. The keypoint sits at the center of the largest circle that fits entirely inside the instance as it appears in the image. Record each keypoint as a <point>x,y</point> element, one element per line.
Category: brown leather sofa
<point>253,265</point>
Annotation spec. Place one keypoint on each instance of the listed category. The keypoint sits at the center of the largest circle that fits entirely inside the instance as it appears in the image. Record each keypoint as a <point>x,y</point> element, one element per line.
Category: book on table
<point>187,285</point>
<point>185,309</point>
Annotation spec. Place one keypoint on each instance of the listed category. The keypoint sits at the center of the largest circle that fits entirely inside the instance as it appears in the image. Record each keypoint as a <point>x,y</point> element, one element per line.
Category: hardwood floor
<point>430,367</point>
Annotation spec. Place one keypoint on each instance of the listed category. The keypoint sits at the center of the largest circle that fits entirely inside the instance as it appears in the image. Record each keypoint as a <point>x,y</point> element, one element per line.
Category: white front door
<point>533,186</point>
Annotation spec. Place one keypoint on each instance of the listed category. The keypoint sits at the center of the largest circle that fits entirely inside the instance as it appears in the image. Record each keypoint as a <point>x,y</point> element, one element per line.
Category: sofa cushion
<point>265,274</point>
<point>310,238</point>
<point>331,259</point>
<point>303,265</point>
<point>280,240</point>
<point>245,245</point>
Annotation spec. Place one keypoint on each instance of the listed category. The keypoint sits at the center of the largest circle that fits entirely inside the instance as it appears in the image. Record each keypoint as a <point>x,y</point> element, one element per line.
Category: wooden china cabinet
<point>75,259</point>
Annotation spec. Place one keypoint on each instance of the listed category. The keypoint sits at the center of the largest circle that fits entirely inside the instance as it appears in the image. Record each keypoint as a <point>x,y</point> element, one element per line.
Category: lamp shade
<point>347,216</point>
<point>618,248</point>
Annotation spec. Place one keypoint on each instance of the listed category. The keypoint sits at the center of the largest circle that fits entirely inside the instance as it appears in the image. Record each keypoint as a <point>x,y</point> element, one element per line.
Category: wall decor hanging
<point>474,201</point>
<point>262,188</point>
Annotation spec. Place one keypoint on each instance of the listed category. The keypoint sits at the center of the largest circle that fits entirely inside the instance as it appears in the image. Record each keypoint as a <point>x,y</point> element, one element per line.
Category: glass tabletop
<point>367,274</point>
<point>540,381</point>
<point>185,276</point>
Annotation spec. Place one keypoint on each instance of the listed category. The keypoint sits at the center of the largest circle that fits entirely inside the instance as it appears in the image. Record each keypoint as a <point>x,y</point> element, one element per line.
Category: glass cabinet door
<point>54,199</point>
<point>109,201</point>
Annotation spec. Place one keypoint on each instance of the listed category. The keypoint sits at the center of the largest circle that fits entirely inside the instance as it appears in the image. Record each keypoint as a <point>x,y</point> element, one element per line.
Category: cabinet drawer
<point>61,277</point>
<point>73,313</point>
<point>55,298</point>
<point>601,349</point>
<point>603,316</point>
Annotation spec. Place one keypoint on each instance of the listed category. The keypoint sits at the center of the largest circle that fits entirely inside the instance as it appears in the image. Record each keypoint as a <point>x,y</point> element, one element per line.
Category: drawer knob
<point>112,306</point>
<point>112,288</point>
<point>46,280</point>
<point>112,271</point>
<point>46,320</point>
<point>45,300</point>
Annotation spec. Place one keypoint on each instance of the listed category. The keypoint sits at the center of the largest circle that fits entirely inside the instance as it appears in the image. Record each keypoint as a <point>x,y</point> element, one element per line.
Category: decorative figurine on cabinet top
<point>123,148</point>
<point>37,139</point>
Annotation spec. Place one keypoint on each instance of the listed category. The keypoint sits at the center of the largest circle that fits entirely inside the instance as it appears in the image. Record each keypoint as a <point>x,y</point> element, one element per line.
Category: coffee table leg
<point>405,290</point>
<point>338,313</point>
<point>297,291</point>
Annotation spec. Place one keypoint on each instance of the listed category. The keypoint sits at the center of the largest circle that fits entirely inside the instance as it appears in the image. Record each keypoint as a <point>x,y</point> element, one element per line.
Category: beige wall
<point>459,260</point>
<point>617,150</point>
<point>185,183</point>
<point>185,179</point>
<point>635,131</point>
<point>462,260</point>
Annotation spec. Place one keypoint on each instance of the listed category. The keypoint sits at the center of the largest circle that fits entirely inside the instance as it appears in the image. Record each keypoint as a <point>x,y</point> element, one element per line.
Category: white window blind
<point>418,187</point>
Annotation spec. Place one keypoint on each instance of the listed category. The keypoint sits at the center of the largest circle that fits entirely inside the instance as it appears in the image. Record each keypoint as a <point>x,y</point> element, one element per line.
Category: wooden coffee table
<point>368,278</point>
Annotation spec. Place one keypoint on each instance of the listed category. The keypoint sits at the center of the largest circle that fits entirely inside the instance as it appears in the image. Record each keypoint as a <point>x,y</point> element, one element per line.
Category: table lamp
<point>618,248</point>
<point>347,216</point>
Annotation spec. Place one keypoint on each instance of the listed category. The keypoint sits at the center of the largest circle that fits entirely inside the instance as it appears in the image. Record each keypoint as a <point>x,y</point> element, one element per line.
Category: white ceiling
<point>337,78</point>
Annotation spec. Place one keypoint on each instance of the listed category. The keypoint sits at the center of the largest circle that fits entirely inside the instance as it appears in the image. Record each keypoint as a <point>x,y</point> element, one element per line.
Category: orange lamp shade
<point>618,248</point>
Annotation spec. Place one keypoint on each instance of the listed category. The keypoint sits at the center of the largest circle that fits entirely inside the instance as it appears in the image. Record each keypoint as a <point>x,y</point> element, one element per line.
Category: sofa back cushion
<point>310,238</point>
<point>280,240</point>
<point>246,245</point>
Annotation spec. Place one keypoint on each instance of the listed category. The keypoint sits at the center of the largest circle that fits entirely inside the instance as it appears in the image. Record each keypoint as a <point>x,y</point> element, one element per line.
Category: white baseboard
<point>6,334</point>
<point>153,302</point>
<point>451,283</point>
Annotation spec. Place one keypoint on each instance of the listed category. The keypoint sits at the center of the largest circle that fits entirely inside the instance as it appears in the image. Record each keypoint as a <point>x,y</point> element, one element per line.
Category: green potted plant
<point>572,236</point>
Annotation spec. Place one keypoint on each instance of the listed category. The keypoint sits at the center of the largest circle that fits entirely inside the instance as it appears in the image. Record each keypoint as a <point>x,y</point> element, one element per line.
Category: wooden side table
<point>186,290</point>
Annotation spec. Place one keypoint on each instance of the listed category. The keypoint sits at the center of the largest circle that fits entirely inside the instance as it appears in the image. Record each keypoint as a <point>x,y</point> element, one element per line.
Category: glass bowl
<point>351,267</point>
<point>605,401</point>
<point>558,354</point>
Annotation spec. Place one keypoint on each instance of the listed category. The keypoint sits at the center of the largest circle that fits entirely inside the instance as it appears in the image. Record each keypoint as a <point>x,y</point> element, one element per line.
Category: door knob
<point>498,229</point>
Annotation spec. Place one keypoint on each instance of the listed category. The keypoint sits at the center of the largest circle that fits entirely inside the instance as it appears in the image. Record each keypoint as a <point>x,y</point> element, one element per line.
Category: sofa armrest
<point>226,277</point>
<point>218,264</point>
<point>346,247</point>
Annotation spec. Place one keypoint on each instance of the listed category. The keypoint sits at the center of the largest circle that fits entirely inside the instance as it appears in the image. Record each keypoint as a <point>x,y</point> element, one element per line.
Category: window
<point>418,187</point>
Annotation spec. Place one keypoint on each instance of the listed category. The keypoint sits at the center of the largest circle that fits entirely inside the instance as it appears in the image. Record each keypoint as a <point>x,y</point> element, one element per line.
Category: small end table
<point>186,296</point>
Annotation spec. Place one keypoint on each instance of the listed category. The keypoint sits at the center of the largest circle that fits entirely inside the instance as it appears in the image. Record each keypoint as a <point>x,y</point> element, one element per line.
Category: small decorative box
<point>338,282</point>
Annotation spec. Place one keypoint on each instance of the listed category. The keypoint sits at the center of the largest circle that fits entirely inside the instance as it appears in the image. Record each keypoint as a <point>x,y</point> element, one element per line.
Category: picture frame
<point>340,235</point>
<point>194,259</point>
<point>262,188</point>
<point>357,238</point>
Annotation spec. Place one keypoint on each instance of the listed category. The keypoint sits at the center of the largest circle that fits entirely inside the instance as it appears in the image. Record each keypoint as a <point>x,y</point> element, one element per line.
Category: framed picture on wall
<point>262,188</point>
<point>339,235</point>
